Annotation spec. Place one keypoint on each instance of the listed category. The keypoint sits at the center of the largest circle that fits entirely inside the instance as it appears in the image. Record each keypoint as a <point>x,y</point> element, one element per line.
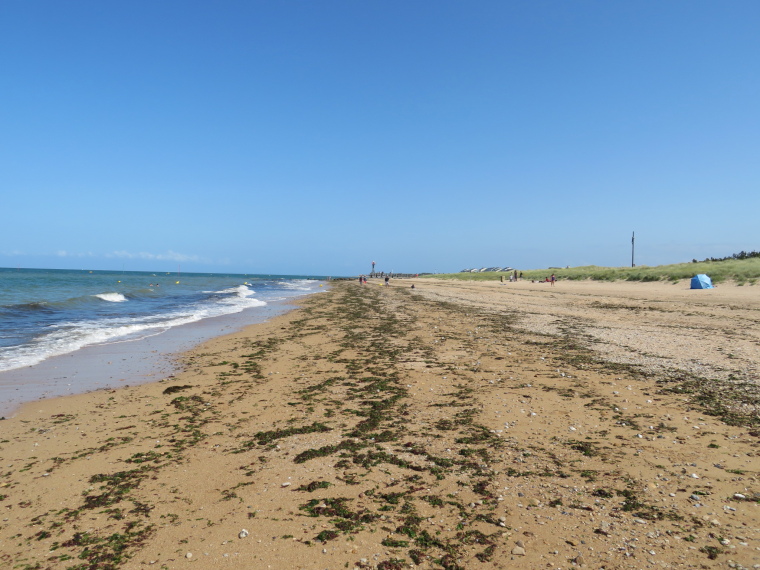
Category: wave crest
<point>111,297</point>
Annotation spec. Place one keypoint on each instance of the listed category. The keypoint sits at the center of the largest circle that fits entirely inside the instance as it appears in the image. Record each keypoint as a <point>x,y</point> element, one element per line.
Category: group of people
<point>513,277</point>
<point>551,280</point>
<point>363,281</point>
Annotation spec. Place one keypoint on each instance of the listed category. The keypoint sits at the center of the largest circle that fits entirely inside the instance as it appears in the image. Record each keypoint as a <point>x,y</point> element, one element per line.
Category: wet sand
<point>456,425</point>
<point>115,364</point>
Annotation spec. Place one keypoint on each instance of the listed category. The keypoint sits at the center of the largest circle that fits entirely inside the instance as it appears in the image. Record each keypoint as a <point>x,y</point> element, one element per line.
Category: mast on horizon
<point>633,239</point>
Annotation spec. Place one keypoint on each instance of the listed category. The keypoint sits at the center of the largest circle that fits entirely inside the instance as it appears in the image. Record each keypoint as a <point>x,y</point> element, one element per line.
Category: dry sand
<point>456,425</point>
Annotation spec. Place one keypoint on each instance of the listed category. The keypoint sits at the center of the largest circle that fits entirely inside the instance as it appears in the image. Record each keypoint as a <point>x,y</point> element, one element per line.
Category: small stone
<point>518,551</point>
<point>739,496</point>
<point>602,532</point>
<point>243,533</point>
<point>286,484</point>
<point>189,555</point>
<point>579,560</point>
<point>520,543</point>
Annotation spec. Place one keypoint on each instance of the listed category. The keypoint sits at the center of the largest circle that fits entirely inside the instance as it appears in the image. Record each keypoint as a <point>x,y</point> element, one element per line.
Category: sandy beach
<point>453,425</point>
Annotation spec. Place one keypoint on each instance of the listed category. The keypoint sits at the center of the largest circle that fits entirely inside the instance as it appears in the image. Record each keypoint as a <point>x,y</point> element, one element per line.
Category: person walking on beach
<point>553,279</point>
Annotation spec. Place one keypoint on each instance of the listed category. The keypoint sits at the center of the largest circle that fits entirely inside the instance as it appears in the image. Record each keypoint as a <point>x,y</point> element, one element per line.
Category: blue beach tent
<point>701,281</point>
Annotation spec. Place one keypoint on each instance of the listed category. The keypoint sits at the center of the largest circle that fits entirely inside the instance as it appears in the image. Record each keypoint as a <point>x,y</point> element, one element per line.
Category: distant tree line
<point>740,255</point>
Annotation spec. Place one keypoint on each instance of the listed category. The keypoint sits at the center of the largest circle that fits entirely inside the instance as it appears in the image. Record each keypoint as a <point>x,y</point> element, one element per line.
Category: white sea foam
<point>67,337</point>
<point>240,291</point>
<point>111,297</point>
<point>299,284</point>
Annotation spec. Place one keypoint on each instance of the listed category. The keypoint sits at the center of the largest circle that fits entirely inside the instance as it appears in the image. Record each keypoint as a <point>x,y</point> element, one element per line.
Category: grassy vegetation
<point>740,271</point>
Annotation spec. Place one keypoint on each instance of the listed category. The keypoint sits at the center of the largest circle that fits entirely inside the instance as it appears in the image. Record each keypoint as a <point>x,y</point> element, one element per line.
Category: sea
<point>71,331</point>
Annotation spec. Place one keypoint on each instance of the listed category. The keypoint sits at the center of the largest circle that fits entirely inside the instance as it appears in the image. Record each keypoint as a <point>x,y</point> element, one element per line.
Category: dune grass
<point>739,271</point>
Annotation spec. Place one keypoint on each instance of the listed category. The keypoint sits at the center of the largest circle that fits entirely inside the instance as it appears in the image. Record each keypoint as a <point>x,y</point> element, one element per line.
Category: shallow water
<point>64,332</point>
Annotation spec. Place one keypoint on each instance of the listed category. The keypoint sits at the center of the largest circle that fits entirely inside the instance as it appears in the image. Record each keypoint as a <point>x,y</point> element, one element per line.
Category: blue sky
<point>316,136</point>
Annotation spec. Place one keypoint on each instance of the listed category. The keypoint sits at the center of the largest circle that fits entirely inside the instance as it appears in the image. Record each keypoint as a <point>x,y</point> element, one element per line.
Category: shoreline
<point>113,364</point>
<point>390,428</point>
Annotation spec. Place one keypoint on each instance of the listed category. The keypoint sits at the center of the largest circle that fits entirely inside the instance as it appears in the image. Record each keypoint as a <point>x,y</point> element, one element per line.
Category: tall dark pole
<point>633,239</point>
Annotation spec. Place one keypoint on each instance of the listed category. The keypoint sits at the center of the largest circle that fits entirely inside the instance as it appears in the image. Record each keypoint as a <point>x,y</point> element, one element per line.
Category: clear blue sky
<point>317,136</point>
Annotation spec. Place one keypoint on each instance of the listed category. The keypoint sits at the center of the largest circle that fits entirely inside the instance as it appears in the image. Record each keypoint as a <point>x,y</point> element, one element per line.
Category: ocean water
<point>47,313</point>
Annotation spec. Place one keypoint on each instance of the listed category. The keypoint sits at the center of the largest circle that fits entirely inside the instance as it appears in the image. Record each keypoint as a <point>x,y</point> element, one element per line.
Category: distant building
<point>485,269</point>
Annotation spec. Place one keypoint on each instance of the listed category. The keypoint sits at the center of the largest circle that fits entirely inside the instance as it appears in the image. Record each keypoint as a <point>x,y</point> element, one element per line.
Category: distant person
<point>412,285</point>
<point>520,274</point>
<point>387,281</point>
<point>553,279</point>
<point>361,280</point>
